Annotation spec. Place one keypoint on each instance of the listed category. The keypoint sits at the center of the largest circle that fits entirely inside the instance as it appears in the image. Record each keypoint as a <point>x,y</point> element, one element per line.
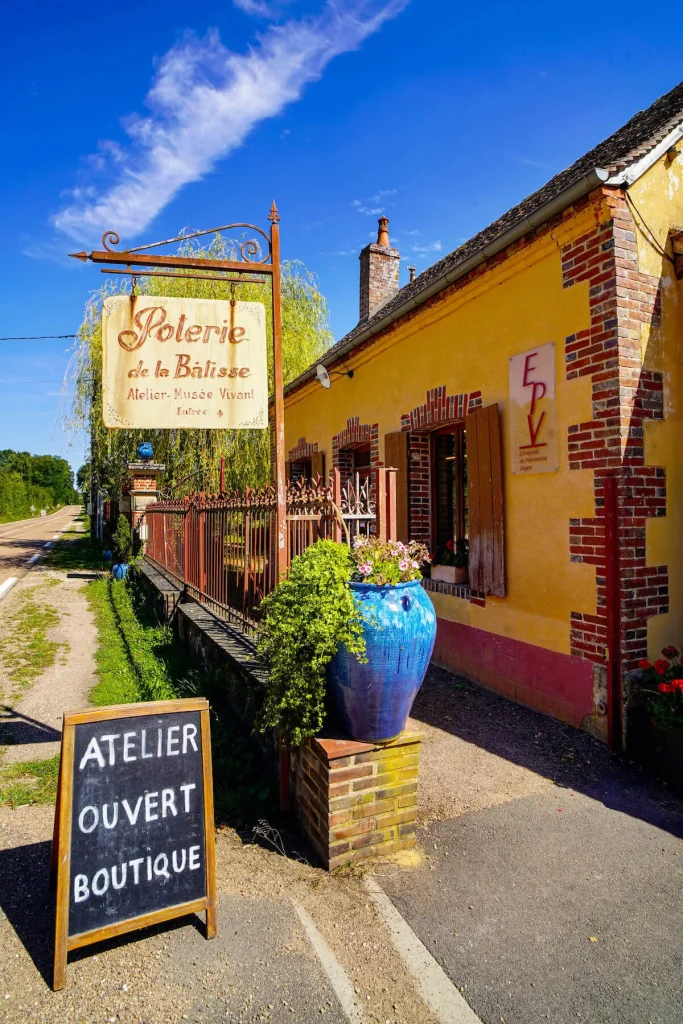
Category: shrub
<point>304,621</point>
<point>663,683</point>
<point>122,540</point>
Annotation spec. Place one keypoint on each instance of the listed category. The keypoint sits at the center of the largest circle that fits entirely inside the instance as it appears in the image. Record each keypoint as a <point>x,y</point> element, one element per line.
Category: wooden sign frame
<point>61,843</point>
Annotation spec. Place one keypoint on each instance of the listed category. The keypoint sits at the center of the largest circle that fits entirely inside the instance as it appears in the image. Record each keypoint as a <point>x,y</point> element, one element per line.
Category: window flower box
<point>450,573</point>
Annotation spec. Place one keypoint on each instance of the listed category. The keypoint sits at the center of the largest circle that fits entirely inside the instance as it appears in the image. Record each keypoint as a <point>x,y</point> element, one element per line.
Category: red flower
<point>670,652</point>
<point>666,687</point>
<point>449,545</point>
<point>660,666</point>
<point>677,684</point>
<point>644,663</point>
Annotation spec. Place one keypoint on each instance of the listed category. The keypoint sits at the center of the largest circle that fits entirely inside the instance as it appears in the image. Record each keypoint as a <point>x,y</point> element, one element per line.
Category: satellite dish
<point>322,375</point>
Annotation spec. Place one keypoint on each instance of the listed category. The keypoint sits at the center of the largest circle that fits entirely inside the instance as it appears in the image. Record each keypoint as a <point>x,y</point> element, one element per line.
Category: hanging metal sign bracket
<point>140,262</point>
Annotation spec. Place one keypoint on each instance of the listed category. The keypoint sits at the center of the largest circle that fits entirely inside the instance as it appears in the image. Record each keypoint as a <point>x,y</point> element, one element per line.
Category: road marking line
<point>33,558</point>
<point>436,988</point>
<point>7,585</point>
<point>19,524</point>
<point>339,979</point>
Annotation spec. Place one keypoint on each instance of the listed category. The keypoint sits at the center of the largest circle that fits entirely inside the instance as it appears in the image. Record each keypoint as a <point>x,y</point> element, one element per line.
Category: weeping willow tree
<point>192,457</point>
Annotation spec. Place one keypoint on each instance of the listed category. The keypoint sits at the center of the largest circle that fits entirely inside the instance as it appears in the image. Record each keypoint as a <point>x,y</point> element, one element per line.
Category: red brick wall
<point>354,435</point>
<point>302,450</point>
<point>624,394</point>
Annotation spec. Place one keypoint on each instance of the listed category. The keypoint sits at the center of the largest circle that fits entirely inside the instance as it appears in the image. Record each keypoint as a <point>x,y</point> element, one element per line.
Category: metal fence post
<point>381,504</point>
<point>186,544</point>
<point>202,559</point>
<point>392,530</point>
<point>336,498</point>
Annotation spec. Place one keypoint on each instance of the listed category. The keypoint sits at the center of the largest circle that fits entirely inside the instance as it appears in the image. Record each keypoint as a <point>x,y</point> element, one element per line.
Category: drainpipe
<point>615,731</point>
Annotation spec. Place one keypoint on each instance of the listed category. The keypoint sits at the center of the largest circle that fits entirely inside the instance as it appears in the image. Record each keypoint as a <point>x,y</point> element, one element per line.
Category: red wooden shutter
<point>318,466</point>
<point>396,457</point>
<point>485,500</point>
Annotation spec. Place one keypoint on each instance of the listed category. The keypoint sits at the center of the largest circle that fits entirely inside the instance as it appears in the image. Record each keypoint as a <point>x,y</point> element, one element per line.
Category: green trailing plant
<point>303,623</point>
<point>122,541</point>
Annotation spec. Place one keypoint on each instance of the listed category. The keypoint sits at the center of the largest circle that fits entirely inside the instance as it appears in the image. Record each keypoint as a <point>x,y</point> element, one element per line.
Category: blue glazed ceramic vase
<point>374,699</point>
<point>145,451</point>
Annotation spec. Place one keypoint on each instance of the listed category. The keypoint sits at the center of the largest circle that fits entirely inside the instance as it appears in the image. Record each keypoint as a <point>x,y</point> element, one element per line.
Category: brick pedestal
<point>358,800</point>
<point>143,488</point>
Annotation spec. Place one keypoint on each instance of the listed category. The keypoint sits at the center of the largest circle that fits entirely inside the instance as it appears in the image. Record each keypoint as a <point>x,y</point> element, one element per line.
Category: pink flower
<point>359,542</point>
<point>365,568</point>
<point>404,564</point>
<point>415,565</point>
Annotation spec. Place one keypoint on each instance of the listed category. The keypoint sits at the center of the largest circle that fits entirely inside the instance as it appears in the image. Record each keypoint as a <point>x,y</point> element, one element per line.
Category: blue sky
<point>153,118</point>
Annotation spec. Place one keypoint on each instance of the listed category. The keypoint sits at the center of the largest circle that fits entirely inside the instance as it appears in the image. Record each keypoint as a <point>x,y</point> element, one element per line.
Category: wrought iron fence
<point>220,548</point>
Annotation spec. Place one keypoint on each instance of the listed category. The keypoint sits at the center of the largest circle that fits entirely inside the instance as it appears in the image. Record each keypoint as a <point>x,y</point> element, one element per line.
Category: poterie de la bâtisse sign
<point>166,343</point>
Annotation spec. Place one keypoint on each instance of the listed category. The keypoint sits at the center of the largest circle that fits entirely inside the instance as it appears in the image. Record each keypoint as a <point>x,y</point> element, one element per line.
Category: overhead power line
<point>41,337</point>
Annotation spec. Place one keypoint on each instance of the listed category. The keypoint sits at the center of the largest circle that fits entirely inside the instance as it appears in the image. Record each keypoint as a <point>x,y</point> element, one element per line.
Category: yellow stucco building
<point>528,388</point>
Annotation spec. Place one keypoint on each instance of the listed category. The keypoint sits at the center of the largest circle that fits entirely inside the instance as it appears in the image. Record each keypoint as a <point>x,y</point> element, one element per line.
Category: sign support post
<point>281,560</point>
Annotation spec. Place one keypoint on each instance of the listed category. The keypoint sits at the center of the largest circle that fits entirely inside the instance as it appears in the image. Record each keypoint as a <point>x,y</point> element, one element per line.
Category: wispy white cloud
<point>360,207</point>
<point>431,247</point>
<point>204,101</point>
<point>535,163</point>
<point>363,205</point>
<point>257,7</point>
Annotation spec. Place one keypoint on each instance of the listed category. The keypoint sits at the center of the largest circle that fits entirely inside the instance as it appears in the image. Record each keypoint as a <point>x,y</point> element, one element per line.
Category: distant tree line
<point>38,481</point>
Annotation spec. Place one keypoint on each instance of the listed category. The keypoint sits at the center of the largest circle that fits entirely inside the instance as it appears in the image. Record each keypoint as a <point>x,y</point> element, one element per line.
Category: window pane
<point>444,489</point>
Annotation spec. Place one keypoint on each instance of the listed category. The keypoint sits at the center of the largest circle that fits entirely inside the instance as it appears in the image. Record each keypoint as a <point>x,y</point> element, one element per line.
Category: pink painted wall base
<point>560,685</point>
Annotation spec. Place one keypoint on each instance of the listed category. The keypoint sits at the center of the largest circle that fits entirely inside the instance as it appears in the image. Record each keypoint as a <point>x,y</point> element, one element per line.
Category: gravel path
<point>32,720</point>
<point>261,966</point>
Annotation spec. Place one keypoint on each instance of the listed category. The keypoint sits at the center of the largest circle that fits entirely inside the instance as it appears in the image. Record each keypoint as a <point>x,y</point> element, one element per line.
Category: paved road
<point>559,905</point>
<point>21,540</point>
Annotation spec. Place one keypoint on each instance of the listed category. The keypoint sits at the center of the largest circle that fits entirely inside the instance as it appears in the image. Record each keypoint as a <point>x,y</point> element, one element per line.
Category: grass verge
<point>139,660</point>
<point>74,549</point>
<point>29,782</point>
<point>25,651</point>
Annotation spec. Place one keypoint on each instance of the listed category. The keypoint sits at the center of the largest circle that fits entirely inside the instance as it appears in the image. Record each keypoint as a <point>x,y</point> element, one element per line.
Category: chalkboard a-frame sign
<point>133,843</point>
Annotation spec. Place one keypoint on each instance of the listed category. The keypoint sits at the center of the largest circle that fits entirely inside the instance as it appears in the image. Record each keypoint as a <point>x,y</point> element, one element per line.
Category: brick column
<point>625,394</point>
<point>143,488</point>
<point>379,267</point>
<point>358,800</point>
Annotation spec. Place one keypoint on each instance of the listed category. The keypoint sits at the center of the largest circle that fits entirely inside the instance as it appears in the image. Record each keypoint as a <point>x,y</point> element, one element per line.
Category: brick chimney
<point>379,266</point>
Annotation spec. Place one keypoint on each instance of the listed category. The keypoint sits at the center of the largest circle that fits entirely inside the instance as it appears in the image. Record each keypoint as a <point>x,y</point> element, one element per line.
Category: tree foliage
<point>304,621</point>
<point>40,480</point>
<point>192,457</point>
<point>122,541</point>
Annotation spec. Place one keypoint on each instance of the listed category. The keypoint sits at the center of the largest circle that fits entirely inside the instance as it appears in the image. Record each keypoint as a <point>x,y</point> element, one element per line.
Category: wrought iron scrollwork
<point>110,236</point>
<point>249,250</point>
